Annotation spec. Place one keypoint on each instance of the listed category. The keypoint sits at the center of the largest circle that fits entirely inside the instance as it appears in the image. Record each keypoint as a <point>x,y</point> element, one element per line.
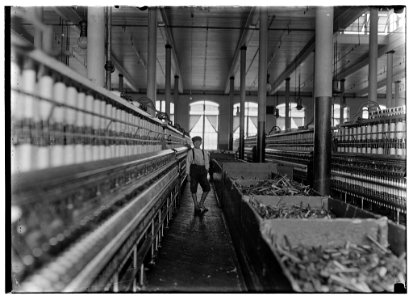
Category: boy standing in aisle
<point>197,165</point>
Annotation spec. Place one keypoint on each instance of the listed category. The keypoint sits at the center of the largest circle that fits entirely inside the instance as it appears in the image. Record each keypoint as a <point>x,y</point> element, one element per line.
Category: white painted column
<point>96,45</point>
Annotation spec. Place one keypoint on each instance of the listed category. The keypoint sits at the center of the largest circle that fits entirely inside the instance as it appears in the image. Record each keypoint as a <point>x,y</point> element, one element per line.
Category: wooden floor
<point>197,254</point>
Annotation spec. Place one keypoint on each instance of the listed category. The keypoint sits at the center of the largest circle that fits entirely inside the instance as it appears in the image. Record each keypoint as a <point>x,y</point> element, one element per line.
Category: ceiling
<point>206,43</point>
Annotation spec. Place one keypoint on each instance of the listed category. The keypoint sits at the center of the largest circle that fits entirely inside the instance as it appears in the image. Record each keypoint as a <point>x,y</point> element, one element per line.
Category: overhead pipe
<point>389,79</point>
<point>262,83</point>
<point>109,67</point>
<point>243,58</point>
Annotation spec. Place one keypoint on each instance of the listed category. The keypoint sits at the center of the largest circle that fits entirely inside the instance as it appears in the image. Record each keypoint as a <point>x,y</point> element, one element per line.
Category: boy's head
<point>197,140</point>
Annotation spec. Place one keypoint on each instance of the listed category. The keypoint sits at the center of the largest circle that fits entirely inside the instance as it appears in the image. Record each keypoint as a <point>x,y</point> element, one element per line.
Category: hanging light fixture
<point>82,41</point>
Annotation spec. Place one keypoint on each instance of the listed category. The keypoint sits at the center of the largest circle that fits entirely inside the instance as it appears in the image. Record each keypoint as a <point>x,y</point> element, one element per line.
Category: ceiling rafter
<point>245,35</point>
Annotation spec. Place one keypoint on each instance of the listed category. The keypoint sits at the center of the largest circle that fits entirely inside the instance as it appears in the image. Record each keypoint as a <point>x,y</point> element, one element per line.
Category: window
<point>297,116</point>
<point>203,121</point>
<point>365,114</point>
<point>160,106</point>
<point>336,114</point>
<point>250,119</point>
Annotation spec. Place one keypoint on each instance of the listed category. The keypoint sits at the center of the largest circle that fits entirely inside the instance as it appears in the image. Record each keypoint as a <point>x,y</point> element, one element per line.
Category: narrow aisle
<point>197,253</point>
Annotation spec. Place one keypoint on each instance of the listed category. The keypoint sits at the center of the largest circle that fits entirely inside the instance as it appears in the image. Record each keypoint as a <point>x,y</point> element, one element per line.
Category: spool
<point>80,122</point>
<point>108,131</point>
<point>118,131</point>
<point>28,106</point>
<point>123,130</point>
<point>374,132</point>
<point>15,83</point>
<point>96,129</point>
<point>379,131</point>
<point>45,90</point>
<point>71,100</point>
<point>392,130</point>
<point>102,129</point>
<point>59,94</point>
<point>88,128</point>
<point>399,129</point>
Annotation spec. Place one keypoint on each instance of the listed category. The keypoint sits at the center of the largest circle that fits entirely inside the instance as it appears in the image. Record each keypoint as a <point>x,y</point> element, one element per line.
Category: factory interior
<point>301,112</point>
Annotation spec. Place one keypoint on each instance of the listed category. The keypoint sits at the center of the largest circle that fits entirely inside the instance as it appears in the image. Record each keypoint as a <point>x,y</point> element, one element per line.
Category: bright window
<point>336,114</point>
<point>297,116</point>
<point>250,119</point>
<point>160,106</point>
<point>203,121</point>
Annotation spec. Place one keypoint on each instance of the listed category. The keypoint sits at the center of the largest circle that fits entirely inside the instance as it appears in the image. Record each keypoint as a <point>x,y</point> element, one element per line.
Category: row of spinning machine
<point>95,181</point>
<point>368,164</point>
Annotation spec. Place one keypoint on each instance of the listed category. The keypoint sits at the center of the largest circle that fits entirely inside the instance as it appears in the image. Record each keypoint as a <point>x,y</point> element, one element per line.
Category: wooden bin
<point>324,232</point>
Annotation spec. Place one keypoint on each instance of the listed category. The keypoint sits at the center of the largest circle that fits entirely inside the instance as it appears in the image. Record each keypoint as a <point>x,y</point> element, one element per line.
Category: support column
<point>38,36</point>
<point>151,71</point>
<point>262,83</point>
<point>389,79</point>
<point>168,79</point>
<point>397,101</point>
<point>342,101</point>
<point>373,54</point>
<point>287,104</point>
<point>121,83</point>
<point>109,67</point>
<point>176,89</point>
<point>322,95</point>
<point>96,45</point>
<point>242,102</point>
<point>231,113</point>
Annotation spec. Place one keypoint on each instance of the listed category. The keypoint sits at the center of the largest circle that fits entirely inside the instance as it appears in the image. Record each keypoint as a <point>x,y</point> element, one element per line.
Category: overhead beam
<point>358,64</point>
<point>132,83</point>
<point>171,42</point>
<point>342,21</point>
<point>245,35</point>
<point>304,53</point>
